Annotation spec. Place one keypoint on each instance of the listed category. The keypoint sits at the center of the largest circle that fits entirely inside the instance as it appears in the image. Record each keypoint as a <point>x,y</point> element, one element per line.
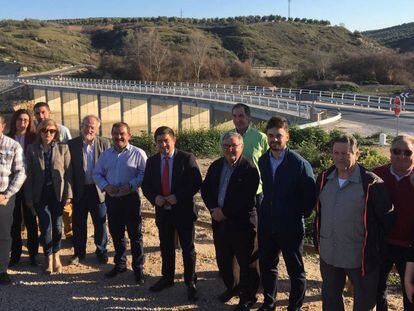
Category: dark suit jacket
<point>78,164</point>
<point>61,173</point>
<point>240,195</point>
<point>185,182</point>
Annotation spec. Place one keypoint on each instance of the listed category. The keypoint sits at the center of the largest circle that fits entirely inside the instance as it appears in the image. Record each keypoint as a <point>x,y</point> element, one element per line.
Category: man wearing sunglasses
<point>396,176</point>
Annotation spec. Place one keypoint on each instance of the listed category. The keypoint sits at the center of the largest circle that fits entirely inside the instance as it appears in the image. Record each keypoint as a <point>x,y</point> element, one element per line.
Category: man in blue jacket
<point>289,196</point>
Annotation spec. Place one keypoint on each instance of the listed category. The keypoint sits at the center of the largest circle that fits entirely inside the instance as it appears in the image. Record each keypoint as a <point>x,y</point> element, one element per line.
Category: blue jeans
<point>89,203</point>
<point>49,211</point>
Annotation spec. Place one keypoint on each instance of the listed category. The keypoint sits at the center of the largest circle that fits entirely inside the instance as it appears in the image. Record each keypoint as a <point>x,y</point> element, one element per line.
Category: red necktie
<point>166,178</point>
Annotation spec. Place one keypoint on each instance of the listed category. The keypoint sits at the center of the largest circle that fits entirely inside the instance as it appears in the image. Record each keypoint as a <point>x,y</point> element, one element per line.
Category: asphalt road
<point>384,120</point>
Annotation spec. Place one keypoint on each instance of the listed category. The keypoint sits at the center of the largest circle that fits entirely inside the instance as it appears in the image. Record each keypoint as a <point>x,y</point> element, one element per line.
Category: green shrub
<point>202,143</point>
<point>146,142</point>
<point>371,158</point>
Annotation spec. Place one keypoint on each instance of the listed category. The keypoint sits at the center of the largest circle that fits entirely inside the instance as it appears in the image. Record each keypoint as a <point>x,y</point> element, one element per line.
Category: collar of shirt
<point>281,156</point>
<point>355,176</point>
<point>52,144</point>
<point>398,178</point>
<point>86,145</point>
<point>232,166</point>
<point>128,147</point>
<point>164,155</point>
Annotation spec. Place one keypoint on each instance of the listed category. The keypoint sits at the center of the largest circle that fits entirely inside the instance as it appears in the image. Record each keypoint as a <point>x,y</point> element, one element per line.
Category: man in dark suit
<point>171,180</point>
<point>87,197</point>
<point>229,191</point>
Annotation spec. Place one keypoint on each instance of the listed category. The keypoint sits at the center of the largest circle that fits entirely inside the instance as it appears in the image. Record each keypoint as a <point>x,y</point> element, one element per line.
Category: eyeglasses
<point>225,146</point>
<point>397,152</point>
<point>50,131</point>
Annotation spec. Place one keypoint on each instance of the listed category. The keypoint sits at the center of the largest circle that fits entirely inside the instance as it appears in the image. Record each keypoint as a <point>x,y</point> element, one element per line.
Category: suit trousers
<point>23,213</point>
<point>6,220</point>
<point>239,243</point>
<point>125,212</point>
<point>50,210</point>
<point>89,203</point>
<point>393,255</point>
<point>291,247</point>
<point>333,282</point>
<point>166,231</point>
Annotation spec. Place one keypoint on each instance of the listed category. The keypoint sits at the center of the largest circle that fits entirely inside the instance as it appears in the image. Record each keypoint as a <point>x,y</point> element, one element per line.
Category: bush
<point>370,158</point>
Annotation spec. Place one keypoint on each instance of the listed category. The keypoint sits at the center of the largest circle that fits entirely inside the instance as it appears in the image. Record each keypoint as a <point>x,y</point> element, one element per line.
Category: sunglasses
<point>397,152</point>
<point>50,131</point>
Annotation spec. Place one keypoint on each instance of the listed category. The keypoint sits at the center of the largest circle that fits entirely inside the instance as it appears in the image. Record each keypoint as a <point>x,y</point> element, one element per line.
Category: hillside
<point>41,45</point>
<point>399,37</point>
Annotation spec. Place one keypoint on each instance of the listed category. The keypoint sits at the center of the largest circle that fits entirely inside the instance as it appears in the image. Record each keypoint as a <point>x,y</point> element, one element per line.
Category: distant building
<point>268,72</point>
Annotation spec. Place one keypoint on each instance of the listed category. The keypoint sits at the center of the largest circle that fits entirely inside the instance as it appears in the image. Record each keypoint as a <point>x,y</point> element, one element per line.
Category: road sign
<point>397,106</point>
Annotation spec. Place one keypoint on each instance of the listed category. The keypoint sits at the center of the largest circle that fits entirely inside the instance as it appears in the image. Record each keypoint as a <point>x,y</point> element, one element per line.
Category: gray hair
<point>399,138</point>
<point>233,134</point>
<point>93,117</point>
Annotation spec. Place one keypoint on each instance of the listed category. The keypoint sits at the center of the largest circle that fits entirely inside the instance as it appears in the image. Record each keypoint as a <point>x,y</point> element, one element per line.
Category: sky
<point>354,14</point>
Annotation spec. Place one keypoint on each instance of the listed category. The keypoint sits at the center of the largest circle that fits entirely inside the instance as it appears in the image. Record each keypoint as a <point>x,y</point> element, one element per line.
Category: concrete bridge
<point>145,108</point>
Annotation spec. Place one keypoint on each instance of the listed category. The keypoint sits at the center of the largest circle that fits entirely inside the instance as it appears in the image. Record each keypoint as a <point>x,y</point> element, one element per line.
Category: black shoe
<point>13,262</point>
<point>245,305</point>
<point>75,260</point>
<point>5,279</point>
<point>102,258</point>
<point>33,261</point>
<point>227,295</point>
<point>161,284</point>
<point>139,278</point>
<point>192,292</point>
<point>115,271</point>
<point>267,307</point>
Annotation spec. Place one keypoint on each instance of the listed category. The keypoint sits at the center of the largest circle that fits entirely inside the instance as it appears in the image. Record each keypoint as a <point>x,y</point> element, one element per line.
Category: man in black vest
<point>171,180</point>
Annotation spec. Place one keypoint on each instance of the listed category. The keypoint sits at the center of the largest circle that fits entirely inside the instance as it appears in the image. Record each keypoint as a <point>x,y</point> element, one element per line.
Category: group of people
<point>258,193</point>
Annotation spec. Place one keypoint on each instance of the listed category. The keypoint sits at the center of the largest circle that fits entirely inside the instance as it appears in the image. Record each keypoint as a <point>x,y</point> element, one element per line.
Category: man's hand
<point>409,280</point>
<point>124,190</point>
<point>171,199</point>
<point>2,198</point>
<point>217,214</point>
<point>111,190</point>
<point>159,200</point>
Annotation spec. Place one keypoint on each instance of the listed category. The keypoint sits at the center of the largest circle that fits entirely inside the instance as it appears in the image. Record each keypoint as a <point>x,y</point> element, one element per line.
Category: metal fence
<point>291,94</point>
<point>301,110</point>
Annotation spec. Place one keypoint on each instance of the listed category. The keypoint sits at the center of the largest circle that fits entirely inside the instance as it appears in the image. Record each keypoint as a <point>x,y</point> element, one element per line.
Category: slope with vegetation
<point>399,37</point>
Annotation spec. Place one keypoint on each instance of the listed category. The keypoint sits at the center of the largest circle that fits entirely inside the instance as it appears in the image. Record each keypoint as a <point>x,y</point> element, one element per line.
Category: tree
<point>199,46</point>
<point>149,53</point>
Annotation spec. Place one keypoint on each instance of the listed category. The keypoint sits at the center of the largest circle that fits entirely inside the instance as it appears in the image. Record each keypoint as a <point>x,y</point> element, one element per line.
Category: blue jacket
<point>287,198</point>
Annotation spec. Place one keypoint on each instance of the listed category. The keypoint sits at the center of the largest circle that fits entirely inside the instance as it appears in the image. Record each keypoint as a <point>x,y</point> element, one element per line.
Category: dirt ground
<point>84,286</point>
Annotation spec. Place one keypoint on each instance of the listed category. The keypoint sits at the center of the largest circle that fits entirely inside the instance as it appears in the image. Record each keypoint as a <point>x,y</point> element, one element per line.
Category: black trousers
<point>333,283</point>
<point>166,231</point>
<point>22,212</point>
<point>89,203</point>
<point>230,243</point>
<point>291,247</point>
<point>125,212</point>
<point>393,255</point>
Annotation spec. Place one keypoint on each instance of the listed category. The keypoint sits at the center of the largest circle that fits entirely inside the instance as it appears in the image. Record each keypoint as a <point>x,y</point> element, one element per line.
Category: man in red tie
<point>171,180</point>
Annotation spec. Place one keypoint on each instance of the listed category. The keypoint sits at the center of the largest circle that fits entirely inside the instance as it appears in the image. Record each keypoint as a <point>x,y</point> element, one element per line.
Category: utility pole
<point>288,8</point>
<point>181,13</point>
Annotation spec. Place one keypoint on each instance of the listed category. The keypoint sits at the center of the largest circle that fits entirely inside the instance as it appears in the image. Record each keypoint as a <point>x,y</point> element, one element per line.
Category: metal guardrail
<point>290,107</point>
<point>337,98</point>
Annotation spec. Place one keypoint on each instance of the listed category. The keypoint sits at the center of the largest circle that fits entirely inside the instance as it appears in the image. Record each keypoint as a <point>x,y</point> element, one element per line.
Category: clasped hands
<point>117,191</point>
<point>165,200</point>
<point>217,214</point>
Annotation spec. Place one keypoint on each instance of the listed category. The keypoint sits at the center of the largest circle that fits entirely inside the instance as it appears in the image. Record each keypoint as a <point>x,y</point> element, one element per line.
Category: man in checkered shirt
<point>12,176</point>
